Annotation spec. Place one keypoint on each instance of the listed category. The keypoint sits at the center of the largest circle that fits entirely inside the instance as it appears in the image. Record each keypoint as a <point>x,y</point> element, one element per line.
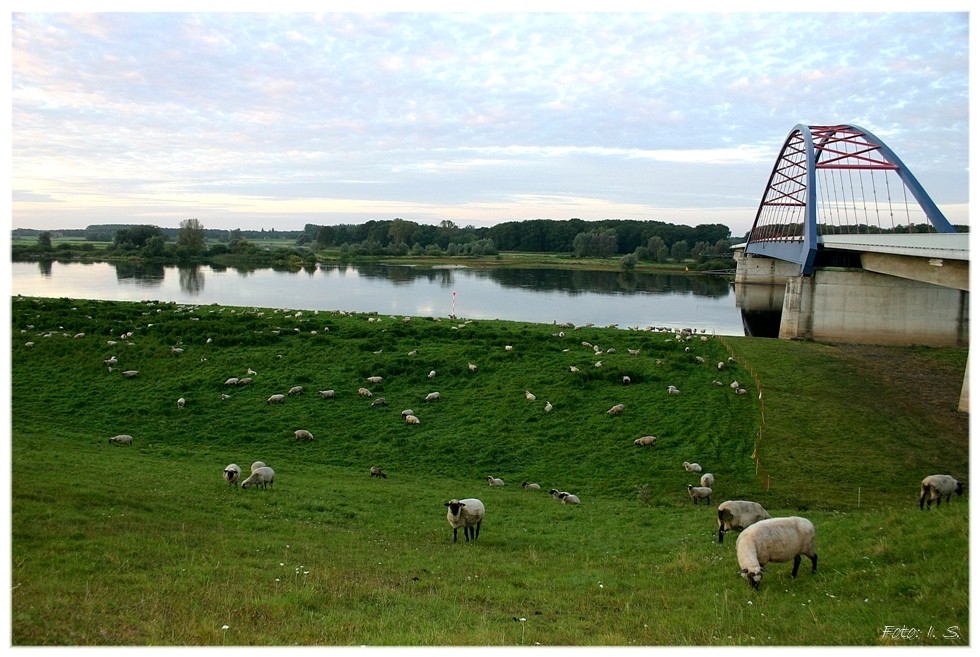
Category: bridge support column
<point>857,306</point>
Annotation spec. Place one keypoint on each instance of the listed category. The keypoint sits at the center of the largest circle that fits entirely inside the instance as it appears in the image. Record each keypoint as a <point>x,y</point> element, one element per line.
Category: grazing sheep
<point>232,473</point>
<point>303,434</point>
<point>233,381</point>
<point>432,374</point>
<point>626,380</point>
<point>380,401</point>
<point>110,361</point>
<point>225,397</point>
<point>296,390</point>
<point>568,498</point>
<point>616,410</point>
<point>529,395</point>
<point>129,374</point>
<point>672,390</point>
<point>737,515</point>
<point>378,472</point>
<point>935,486</point>
<point>548,407</point>
<point>374,379</point>
<point>245,381</point>
<point>633,352</point>
<point>276,399</point>
<point>467,513</point>
<point>645,440</point>
<point>529,486</point>
<point>734,385</point>
<point>122,439</point>
<point>471,367</point>
<point>407,412</point>
<point>572,369</point>
<point>699,493</point>
<point>493,481</point>
<point>364,392</point>
<point>699,360</point>
<point>692,467</point>
<point>256,466</point>
<point>432,396</point>
<point>327,394</point>
<point>264,476</point>
<point>411,419</point>
<point>721,366</point>
<point>775,540</point>
<point>741,391</point>
<point>707,480</point>
<point>181,402</point>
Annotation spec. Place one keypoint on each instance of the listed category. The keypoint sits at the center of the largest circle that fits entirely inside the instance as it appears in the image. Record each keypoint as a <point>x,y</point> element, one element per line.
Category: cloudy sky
<point>261,120</point>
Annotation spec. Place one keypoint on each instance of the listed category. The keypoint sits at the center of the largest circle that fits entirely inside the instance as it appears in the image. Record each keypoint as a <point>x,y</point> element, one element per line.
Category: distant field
<point>146,545</point>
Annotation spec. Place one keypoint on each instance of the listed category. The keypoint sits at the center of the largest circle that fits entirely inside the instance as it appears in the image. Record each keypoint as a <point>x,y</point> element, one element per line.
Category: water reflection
<point>146,274</point>
<point>191,279</point>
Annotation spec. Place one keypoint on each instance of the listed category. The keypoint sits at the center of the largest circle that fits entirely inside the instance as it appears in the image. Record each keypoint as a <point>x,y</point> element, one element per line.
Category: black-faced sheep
<point>934,487</point>
<point>775,540</point>
<point>493,481</point>
<point>263,476</point>
<point>692,467</point>
<point>699,493</point>
<point>466,513</point>
<point>568,498</point>
<point>378,472</point>
<point>529,486</point>
<point>232,473</point>
<point>736,515</point>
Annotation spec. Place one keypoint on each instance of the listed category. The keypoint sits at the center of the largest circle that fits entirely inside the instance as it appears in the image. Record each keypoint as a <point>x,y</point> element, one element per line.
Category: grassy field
<point>147,545</point>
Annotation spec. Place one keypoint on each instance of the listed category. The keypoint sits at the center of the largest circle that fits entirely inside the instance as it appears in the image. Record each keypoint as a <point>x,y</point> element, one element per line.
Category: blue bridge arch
<point>786,224</point>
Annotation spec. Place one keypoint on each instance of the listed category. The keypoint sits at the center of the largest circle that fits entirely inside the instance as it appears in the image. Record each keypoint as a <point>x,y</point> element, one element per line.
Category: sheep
<point>645,440</point>
<point>737,515</point>
<point>256,466</point>
<point>493,481</point>
<point>303,434</point>
<point>407,412</point>
<point>626,380</point>
<point>699,360</point>
<point>616,410</point>
<point>378,472</point>
<point>275,399</point>
<point>672,390</point>
<point>244,381</point>
<point>467,513</point>
<point>775,540</point>
<point>633,352</point>
<point>707,480</point>
<point>935,486</point>
<point>741,391</point>
<point>364,392</point>
<point>699,493</point>
<point>734,385</point>
<point>568,498</point>
<point>327,394</point>
<point>721,366</point>
<point>264,476</point>
<point>380,401</point>
<point>432,396</point>
<point>471,367</point>
<point>529,486</point>
<point>548,407</point>
<point>572,369</point>
<point>432,374</point>
<point>296,390</point>
<point>374,379</point>
<point>110,361</point>
<point>181,402</point>
<point>529,395</point>
<point>233,381</point>
<point>225,397</point>
<point>31,344</point>
<point>692,467</point>
<point>412,419</point>
<point>232,473</point>
<point>122,439</point>
<point>129,374</point>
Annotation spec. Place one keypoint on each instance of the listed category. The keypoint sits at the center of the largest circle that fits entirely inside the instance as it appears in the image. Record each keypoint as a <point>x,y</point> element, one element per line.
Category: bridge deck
<point>949,246</point>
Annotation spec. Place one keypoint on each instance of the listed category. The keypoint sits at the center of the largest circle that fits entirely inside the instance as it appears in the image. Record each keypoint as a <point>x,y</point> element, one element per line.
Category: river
<point>640,300</point>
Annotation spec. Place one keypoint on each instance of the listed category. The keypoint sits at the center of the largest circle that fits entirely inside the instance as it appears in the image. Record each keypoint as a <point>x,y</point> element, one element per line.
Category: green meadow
<point>147,545</point>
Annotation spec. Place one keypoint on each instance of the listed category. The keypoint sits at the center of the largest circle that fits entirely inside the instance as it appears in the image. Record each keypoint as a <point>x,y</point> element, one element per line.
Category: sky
<point>271,119</point>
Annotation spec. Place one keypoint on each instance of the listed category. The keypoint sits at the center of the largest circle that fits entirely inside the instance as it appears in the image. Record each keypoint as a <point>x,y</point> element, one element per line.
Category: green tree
<point>679,251</point>
<point>190,237</point>
<point>657,249</point>
<point>44,240</point>
<point>628,262</point>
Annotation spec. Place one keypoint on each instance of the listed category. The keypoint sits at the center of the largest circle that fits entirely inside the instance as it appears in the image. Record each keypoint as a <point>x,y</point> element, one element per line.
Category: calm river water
<point>701,302</point>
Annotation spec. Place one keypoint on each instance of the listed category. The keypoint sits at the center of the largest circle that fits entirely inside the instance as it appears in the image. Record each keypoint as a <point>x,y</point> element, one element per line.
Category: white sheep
<point>934,487</point>
<point>378,472</point>
<point>471,367</point>
<point>699,493</point>
<point>256,466</point>
<point>626,380</point>
<point>467,513</point>
<point>529,395</point>
<point>568,498</point>
<point>407,412</point>
<point>130,374</point>
<point>645,440</point>
<point>276,399</point>
<point>303,434</point>
<point>775,540</point>
<point>296,390</point>
<point>692,467</point>
<point>708,480</point>
<point>327,394</point>
<point>616,410</point>
<point>232,473</point>
<point>548,407</point>
<point>181,402</point>
<point>122,439</point>
<point>737,515</point>
<point>672,390</point>
<point>244,381</point>
<point>264,476</point>
<point>432,374</point>
<point>493,481</point>
<point>412,419</point>
<point>233,381</point>
<point>432,396</point>
<point>364,392</point>
<point>374,379</point>
<point>572,369</point>
<point>529,486</point>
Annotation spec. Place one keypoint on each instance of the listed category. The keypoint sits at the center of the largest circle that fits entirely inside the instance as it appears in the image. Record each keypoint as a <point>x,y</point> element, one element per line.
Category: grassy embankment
<point>146,544</point>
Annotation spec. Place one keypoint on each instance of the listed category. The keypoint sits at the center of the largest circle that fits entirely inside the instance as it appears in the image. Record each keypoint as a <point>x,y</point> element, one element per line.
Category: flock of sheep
<point>762,539</point>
